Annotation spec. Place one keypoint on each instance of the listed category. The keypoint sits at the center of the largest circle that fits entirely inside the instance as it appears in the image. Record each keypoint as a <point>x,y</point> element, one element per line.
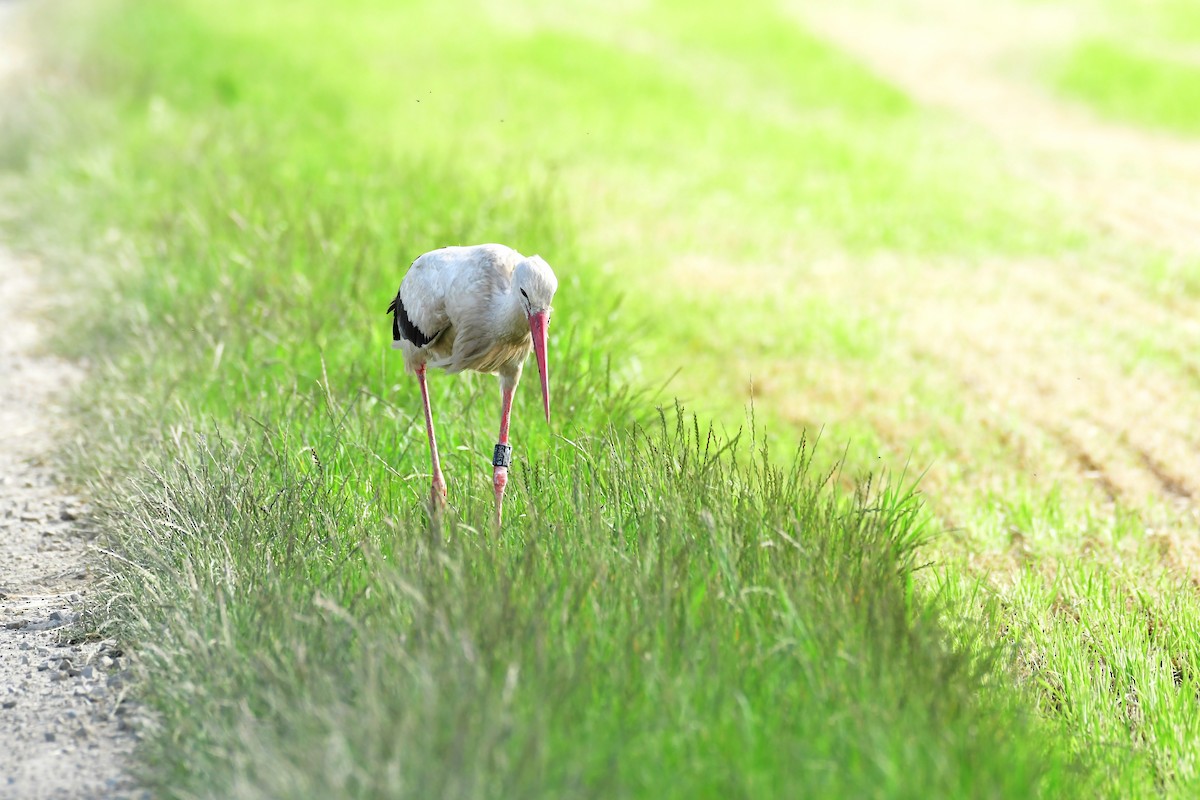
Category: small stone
<point>15,624</point>
<point>49,736</point>
<point>58,675</point>
<point>88,671</point>
<point>56,615</point>
<point>9,704</point>
<point>106,662</point>
<point>67,515</point>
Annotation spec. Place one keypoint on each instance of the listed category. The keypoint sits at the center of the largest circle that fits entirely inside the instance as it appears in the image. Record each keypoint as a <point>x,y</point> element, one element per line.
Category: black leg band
<point>502,457</point>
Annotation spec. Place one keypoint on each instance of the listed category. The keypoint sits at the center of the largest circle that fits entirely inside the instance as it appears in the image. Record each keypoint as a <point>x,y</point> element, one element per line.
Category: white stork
<point>481,308</point>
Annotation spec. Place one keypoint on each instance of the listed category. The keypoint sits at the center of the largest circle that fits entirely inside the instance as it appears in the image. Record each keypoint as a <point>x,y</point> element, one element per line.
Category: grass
<point>668,611</point>
<point>1124,83</point>
<point>713,628</point>
<point>1134,62</point>
<point>1113,635</point>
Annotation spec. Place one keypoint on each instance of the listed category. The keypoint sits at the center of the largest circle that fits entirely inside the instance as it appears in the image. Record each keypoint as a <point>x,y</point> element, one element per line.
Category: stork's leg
<point>438,494</point>
<point>502,456</point>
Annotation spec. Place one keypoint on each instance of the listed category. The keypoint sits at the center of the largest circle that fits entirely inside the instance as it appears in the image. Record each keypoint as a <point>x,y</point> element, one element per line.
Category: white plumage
<point>466,301</point>
<point>482,308</point>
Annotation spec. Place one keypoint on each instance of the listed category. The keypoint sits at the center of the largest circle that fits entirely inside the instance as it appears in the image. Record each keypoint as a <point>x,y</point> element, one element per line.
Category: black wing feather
<point>404,327</point>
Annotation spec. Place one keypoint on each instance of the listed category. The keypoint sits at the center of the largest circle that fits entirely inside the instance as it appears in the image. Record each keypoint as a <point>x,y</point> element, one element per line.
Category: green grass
<point>1139,647</point>
<point>1135,62</point>
<point>1134,85</point>
<point>666,612</point>
<point>707,628</point>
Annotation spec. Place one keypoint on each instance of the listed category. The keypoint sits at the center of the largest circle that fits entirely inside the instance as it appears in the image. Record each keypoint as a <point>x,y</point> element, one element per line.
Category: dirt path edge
<point>63,727</point>
<point>65,732</point>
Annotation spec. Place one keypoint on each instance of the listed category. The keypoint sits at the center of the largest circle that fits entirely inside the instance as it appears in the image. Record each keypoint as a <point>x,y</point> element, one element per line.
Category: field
<point>876,372</point>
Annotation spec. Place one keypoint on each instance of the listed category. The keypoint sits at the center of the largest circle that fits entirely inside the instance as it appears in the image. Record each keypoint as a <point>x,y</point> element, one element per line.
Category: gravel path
<point>63,723</point>
<point>65,729</point>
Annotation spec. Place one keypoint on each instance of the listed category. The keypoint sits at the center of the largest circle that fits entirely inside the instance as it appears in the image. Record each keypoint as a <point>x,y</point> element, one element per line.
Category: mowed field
<point>875,469</point>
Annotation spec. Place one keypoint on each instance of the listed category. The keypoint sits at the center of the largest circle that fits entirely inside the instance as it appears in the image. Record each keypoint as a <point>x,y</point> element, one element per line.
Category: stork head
<point>534,284</point>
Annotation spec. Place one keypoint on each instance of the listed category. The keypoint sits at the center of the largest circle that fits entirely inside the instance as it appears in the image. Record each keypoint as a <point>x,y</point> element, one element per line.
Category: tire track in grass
<point>1034,347</point>
<point>1058,341</point>
<point>1032,359</point>
<point>967,58</point>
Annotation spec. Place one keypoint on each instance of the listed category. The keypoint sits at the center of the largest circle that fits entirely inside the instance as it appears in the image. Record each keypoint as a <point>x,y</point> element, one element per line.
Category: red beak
<point>539,324</point>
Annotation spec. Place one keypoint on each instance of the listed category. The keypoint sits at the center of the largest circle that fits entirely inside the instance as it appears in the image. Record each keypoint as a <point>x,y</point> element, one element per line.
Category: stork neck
<point>517,318</point>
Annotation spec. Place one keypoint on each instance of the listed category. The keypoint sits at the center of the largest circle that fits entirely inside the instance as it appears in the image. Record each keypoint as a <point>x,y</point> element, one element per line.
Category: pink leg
<point>438,494</point>
<point>499,472</point>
